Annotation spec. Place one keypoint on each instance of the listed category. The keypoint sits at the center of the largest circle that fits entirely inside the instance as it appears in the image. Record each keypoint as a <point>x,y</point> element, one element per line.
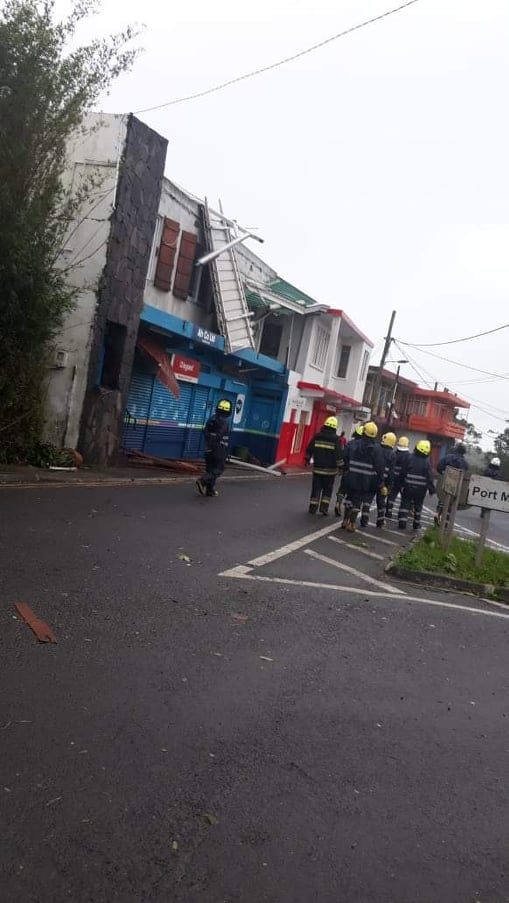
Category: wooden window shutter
<point>166,257</point>
<point>185,265</point>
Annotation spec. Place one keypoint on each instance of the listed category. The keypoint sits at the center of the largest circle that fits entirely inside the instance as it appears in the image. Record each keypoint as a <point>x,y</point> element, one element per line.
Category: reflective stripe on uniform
<point>415,479</point>
<point>361,467</point>
<point>328,445</point>
<point>324,472</point>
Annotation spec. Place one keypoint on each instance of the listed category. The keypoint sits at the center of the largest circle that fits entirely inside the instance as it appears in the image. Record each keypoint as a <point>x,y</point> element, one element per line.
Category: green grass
<point>458,561</point>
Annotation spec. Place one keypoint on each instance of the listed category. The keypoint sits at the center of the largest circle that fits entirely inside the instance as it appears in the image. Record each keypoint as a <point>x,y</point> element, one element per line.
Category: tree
<point>45,90</point>
<point>501,444</point>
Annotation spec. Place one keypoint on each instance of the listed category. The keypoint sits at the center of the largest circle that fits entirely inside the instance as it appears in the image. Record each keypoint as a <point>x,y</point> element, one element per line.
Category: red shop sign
<point>185,368</point>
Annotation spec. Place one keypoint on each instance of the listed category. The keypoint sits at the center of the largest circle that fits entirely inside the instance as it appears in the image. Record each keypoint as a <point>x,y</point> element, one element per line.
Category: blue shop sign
<point>206,337</point>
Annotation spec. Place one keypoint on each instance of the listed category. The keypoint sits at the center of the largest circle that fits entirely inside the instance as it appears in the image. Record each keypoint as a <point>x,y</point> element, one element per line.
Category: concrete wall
<point>93,156</point>
<point>122,287</point>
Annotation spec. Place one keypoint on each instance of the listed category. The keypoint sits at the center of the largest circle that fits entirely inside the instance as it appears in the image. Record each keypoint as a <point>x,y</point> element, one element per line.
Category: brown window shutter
<point>166,257</point>
<point>185,265</point>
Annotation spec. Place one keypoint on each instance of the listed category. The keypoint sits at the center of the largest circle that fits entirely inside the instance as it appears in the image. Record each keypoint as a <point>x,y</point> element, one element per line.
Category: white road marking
<point>367,592</point>
<point>238,571</point>
<point>386,542</point>
<point>345,567</point>
<point>292,546</point>
<point>351,545</point>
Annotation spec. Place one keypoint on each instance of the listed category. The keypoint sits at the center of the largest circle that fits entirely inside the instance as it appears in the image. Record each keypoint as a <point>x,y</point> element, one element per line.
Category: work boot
<point>201,487</point>
<point>344,525</point>
<point>212,493</point>
<point>313,508</point>
<point>350,527</point>
<point>402,526</point>
<point>380,522</point>
<point>364,523</point>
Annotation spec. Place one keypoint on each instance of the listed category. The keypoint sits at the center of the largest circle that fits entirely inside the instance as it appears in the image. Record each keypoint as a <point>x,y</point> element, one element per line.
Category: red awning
<point>164,371</point>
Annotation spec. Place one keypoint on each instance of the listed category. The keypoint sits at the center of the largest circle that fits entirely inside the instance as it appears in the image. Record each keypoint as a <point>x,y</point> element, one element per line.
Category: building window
<point>271,339</point>
<point>113,354</point>
<point>344,360</point>
<point>158,231</point>
<point>321,347</point>
<point>365,362</point>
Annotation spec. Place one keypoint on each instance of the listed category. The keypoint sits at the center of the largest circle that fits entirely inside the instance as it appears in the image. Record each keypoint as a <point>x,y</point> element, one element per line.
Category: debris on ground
<point>241,618</point>
<point>42,631</point>
<point>184,557</point>
<point>211,819</point>
<point>265,658</point>
<point>190,467</point>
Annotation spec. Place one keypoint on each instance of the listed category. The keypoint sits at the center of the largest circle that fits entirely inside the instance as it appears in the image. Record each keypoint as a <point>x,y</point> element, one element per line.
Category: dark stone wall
<point>122,288</point>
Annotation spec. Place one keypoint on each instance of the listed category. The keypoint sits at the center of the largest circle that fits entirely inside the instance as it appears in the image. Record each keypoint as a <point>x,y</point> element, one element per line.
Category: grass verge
<point>458,561</point>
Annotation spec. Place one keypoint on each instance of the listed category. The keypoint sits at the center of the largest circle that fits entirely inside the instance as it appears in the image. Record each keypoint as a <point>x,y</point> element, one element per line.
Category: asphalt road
<point>300,729</point>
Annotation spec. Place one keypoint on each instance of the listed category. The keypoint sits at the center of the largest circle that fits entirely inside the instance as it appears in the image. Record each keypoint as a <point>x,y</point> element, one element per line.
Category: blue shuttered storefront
<point>159,424</point>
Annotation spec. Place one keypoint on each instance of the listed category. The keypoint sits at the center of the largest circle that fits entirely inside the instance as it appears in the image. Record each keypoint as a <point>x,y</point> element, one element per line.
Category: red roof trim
<point>335,312</point>
<point>455,400</point>
<point>330,393</point>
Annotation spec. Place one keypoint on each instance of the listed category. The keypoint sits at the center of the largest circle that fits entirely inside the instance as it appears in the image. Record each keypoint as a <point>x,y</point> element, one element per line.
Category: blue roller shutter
<point>137,409</point>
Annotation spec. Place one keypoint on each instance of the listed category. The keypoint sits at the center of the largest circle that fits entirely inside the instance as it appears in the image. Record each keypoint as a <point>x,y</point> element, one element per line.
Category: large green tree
<point>47,84</point>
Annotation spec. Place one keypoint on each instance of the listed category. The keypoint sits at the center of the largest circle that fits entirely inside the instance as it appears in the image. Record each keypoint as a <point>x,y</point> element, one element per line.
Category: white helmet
<point>495,462</point>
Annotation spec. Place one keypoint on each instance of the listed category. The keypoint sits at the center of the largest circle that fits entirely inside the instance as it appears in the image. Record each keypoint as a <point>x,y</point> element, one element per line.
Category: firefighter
<point>217,432</point>
<point>400,455</point>
<point>416,480</point>
<point>357,433</point>
<point>325,450</point>
<point>365,473</point>
<point>456,458</point>
<point>493,470</point>
<point>387,445</point>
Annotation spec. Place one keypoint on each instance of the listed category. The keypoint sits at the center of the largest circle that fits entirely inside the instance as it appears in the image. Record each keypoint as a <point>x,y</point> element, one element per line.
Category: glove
<point>384,491</point>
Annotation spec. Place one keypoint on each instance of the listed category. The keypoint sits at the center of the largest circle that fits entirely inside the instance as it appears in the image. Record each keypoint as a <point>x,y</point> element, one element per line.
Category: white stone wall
<point>94,154</point>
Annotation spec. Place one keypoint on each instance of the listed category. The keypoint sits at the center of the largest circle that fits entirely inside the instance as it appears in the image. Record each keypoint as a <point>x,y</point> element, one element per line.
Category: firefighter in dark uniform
<point>325,449</point>
<point>416,481</point>
<point>217,433</point>
<point>365,467</point>
<point>387,445</point>
<point>401,454</point>
<point>359,429</point>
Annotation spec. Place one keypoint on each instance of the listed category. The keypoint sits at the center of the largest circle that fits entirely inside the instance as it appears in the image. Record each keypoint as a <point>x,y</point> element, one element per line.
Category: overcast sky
<point>376,168</point>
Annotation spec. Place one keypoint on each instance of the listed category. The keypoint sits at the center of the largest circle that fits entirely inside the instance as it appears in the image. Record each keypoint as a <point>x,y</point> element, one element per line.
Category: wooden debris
<point>43,633</point>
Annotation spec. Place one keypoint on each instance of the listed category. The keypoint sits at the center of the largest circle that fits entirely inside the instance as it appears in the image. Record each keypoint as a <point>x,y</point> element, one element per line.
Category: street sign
<point>490,494</point>
<point>452,481</point>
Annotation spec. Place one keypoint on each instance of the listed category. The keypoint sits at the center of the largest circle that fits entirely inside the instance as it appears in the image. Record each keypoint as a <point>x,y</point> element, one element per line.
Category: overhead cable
<point>457,363</point>
<point>467,338</point>
<point>276,65</point>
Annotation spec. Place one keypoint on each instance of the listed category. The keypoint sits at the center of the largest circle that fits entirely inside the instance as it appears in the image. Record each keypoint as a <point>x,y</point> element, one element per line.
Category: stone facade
<point>121,290</point>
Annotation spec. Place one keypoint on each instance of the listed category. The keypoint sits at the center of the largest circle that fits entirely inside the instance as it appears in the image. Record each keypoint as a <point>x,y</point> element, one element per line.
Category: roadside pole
<point>451,489</point>
<point>482,535</point>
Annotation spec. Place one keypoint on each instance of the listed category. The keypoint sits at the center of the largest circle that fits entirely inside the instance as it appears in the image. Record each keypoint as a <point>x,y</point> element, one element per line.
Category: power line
<point>457,363</point>
<point>467,338</point>
<point>288,59</point>
<point>477,407</point>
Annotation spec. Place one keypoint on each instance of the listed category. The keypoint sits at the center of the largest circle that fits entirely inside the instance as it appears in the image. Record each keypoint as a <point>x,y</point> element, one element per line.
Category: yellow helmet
<point>359,429</point>
<point>423,446</point>
<point>332,422</point>
<point>225,406</point>
<point>403,442</point>
<point>389,439</point>
<point>370,430</point>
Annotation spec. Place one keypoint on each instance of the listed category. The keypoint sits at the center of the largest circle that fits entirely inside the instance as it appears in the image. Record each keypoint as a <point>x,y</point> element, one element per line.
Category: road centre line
<point>345,567</point>
<point>352,545</point>
<point>362,592</point>
<point>292,546</point>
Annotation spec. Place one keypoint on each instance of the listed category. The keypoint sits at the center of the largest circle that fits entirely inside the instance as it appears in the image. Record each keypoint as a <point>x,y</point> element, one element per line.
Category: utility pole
<point>375,407</point>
